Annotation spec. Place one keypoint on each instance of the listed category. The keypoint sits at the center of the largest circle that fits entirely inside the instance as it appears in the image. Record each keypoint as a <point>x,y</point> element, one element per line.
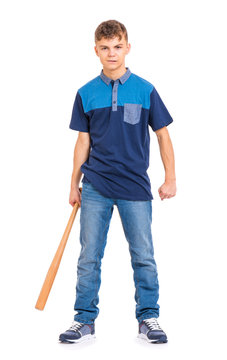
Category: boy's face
<point>112,52</point>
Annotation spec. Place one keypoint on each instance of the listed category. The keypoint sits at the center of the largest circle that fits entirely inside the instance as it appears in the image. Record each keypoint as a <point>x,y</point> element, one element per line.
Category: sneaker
<point>150,330</point>
<point>78,332</point>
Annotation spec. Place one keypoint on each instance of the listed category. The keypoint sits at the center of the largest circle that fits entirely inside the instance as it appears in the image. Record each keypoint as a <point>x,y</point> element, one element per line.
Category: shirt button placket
<point>114,95</point>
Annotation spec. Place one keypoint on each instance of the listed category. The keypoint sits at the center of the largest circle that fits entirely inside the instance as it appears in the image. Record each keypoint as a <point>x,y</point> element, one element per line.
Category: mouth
<point>112,61</point>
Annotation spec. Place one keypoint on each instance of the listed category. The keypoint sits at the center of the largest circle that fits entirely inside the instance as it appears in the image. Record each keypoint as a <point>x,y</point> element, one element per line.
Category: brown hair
<point>110,29</point>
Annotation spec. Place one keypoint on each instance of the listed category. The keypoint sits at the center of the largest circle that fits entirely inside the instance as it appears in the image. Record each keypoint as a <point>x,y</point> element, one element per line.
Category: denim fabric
<point>132,113</point>
<point>136,217</point>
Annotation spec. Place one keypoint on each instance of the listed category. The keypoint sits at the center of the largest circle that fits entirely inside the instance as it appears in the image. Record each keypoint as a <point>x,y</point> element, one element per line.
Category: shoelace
<point>152,324</point>
<point>76,326</point>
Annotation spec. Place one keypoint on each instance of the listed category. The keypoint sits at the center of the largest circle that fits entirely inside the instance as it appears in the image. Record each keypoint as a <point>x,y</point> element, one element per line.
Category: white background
<point>47,53</point>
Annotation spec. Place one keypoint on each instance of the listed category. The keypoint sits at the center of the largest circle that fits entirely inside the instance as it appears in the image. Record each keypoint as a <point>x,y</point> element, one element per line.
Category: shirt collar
<point>122,79</point>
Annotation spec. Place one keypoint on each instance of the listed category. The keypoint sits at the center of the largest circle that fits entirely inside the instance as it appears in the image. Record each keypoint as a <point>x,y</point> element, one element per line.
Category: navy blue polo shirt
<point>117,114</point>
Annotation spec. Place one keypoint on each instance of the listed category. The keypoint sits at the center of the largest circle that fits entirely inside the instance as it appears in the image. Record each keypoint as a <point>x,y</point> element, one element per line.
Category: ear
<point>128,48</point>
<point>96,51</point>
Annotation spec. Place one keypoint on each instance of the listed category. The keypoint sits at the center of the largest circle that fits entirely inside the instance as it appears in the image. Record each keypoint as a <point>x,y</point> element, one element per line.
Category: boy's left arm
<point>168,189</point>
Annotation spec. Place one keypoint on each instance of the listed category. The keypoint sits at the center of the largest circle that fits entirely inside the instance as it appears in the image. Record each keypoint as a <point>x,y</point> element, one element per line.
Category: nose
<point>111,52</point>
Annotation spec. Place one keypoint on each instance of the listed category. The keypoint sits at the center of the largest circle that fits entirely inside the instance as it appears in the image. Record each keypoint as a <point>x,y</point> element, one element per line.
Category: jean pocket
<point>132,113</point>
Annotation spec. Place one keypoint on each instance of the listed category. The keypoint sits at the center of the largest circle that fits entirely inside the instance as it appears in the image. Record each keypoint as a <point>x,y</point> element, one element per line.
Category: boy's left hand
<point>167,190</point>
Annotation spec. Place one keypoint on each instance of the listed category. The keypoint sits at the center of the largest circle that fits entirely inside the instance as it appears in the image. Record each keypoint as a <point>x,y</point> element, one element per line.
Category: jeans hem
<point>83,321</point>
<point>147,316</point>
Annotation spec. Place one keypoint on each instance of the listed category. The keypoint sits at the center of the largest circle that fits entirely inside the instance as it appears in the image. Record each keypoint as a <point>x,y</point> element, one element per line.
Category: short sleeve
<point>79,120</point>
<point>158,113</point>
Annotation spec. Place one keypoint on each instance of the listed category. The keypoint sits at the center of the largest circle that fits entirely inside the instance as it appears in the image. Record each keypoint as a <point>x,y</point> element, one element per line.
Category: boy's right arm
<point>81,154</point>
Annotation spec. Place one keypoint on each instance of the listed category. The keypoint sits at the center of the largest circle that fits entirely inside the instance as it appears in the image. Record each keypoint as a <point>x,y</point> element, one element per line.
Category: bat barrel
<point>48,282</point>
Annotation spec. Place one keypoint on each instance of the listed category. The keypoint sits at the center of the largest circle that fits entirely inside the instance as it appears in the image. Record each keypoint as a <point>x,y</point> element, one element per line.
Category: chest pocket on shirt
<point>132,113</point>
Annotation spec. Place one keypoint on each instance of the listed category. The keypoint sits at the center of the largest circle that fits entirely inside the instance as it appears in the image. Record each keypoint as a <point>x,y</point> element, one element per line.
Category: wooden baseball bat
<point>48,282</point>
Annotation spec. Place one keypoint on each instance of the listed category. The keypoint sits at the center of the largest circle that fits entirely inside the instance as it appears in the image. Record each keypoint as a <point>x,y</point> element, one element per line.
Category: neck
<point>115,73</point>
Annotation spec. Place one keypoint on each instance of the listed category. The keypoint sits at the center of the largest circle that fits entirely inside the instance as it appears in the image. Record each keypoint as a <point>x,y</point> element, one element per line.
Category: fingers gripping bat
<point>48,282</point>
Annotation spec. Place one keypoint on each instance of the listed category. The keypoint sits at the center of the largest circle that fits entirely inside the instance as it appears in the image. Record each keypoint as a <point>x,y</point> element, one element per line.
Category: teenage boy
<point>112,113</point>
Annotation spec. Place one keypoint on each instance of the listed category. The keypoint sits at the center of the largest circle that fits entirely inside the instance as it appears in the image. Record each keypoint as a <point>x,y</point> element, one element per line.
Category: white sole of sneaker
<point>144,337</point>
<point>83,338</point>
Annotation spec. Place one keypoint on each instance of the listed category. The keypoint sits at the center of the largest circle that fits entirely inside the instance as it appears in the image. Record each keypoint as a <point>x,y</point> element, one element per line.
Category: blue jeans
<point>95,215</point>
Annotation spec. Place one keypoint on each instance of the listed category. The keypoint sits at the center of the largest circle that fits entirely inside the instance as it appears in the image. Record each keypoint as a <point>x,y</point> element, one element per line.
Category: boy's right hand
<point>75,196</point>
